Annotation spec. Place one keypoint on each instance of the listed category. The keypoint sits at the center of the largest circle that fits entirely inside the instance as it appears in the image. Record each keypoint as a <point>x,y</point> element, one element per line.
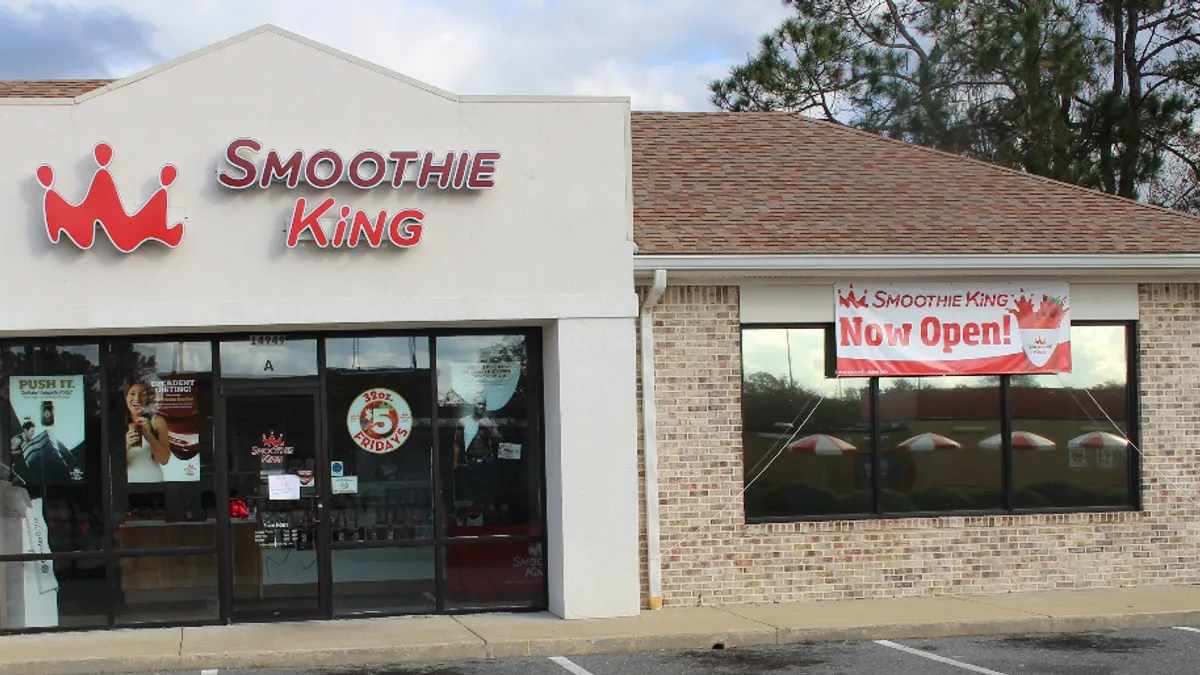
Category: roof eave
<point>1143,266</point>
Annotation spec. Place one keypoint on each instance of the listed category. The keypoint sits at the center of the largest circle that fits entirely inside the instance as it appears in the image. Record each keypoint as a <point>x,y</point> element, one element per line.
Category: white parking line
<point>1188,629</point>
<point>209,671</point>
<point>570,665</point>
<point>939,659</point>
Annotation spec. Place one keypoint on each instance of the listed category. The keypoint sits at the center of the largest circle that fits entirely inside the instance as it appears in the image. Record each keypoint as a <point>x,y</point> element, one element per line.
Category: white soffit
<point>792,303</point>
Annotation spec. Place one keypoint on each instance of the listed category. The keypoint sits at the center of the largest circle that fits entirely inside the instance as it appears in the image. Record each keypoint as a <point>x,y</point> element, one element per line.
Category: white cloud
<point>661,53</point>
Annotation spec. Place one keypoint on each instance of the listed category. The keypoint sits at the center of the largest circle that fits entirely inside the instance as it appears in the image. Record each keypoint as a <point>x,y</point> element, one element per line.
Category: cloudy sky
<point>662,53</point>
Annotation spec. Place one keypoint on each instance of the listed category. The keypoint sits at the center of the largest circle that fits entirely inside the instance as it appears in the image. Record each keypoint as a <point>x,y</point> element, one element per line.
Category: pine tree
<point>1100,93</point>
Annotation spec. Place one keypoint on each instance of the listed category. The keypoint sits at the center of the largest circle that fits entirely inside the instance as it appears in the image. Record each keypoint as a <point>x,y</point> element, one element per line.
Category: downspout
<point>650,439</point>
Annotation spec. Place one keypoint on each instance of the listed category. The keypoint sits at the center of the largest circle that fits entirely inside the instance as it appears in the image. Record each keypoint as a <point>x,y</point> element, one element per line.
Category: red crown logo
<point>852,300</point>
<point>102,207</point>
<point>273,441</point>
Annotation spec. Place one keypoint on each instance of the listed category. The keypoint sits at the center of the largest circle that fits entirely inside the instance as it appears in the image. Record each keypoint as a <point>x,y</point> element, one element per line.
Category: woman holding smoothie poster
<point>147,440</point>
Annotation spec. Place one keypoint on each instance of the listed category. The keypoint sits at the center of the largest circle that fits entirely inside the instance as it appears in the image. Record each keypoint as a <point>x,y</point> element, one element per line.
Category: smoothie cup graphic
<point>1039,327</point>
<point>1039,344</point>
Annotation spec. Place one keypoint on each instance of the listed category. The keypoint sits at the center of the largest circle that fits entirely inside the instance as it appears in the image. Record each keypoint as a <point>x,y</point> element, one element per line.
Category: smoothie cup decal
<point>1039,327</point>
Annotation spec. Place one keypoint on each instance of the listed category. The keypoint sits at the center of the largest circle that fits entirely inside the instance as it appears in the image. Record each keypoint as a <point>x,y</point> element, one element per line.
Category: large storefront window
<point>939,442</point>
<point>158,481</point>
<point>160,449</point>
<point>826,471</point>
<point>160,443</point>
<point>380,401</point>
<point>1081,421</point>
<point>380,397</point>
<point>820,446</point>
<point>486,421</point>
<point>51,486</point>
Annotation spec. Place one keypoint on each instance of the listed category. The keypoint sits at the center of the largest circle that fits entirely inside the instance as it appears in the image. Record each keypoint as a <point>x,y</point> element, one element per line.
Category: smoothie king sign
<point>952,329</point>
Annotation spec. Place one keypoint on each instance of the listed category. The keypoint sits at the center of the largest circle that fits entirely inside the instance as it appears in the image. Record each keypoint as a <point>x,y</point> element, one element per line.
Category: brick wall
<point>711,556</point>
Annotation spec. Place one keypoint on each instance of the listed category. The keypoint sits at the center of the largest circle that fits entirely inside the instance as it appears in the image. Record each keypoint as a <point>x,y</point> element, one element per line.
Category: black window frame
<point>1133,405</point>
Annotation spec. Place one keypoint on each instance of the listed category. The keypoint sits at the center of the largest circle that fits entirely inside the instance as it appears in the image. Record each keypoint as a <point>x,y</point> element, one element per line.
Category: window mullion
<point>1006,458</point>
<point>876,451</point>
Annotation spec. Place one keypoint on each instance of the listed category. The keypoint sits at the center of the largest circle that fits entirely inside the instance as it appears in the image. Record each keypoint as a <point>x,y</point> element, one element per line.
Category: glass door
<point>276,545</point>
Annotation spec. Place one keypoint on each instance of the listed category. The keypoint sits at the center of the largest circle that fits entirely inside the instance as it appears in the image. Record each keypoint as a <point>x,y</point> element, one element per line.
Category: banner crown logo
<point>273,441</point>
<point>102,207</point>
<point>851,300</point>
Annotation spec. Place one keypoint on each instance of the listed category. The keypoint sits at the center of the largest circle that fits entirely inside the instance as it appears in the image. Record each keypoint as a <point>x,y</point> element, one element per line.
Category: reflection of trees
<point>769,401</point>
<point>509,349</point>
<point>973,382</point>
<point>50,361</point>
<point>502,349</point>
<point>127,362</point>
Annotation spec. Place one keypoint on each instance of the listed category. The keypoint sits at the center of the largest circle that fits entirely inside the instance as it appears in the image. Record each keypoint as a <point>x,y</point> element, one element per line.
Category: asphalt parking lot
<point>1143,652</point>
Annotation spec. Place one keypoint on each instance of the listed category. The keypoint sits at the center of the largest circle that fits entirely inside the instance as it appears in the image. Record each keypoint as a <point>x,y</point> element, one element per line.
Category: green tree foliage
<point>1099,93</point>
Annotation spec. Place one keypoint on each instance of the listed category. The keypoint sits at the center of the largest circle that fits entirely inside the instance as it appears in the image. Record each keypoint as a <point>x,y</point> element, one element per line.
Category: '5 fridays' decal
<point>379,420</point>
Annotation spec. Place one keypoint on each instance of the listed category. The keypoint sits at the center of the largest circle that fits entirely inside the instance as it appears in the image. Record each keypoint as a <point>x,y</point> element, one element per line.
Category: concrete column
<point>591,468</point>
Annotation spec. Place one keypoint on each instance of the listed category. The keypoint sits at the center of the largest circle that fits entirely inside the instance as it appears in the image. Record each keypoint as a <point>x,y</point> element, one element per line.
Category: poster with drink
<point>47,427</point>
<point>162,434</point>
<point>989,328</point>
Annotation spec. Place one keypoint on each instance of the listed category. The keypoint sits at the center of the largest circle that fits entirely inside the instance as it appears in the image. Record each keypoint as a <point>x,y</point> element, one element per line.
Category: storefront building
<point>287,335</point>
<point>780,478</point>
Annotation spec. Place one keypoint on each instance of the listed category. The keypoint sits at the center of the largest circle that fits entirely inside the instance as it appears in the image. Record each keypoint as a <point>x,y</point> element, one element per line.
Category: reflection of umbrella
<point>927,441</point>
<point>822,444</point>
<point>1098,440</point>
<point>1021,440</point>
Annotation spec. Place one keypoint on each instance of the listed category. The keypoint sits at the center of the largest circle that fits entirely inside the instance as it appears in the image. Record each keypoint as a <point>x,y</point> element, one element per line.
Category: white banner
<point>903,329</point>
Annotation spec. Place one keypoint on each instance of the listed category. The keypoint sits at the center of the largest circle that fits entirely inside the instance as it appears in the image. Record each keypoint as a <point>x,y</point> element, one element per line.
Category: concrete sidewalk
<point>444,638</point>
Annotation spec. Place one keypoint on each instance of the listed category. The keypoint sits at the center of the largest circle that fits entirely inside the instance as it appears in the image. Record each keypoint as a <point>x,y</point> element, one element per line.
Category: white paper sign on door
<point>283,486</point>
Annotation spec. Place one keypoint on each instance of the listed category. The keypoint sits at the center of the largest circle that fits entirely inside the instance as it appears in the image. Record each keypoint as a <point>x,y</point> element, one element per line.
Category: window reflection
<point>490,448</point>
<point>53,594</point>
<point>50,460</point>
<point>940,444</point>
<point>161,589</point>
<point>161,444</point>
<point>381,439</point>
<point>495,576</point>
<point>808,436</point>
<point>1085,458</point>
<point>384,580</point>
<point>256,359</point>
<point>940,447</point>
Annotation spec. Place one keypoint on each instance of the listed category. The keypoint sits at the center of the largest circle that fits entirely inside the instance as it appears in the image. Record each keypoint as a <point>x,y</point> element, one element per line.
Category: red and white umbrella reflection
<point>1021,440</point>
<point>928,441</point>
<point>1098,440</point>
<point>822,444</point>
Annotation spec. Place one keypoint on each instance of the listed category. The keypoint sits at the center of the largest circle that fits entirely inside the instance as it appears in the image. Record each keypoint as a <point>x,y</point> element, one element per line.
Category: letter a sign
<point>952,329</point>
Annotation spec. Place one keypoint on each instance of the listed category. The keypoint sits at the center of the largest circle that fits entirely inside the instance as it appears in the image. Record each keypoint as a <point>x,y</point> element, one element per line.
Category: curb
<point>479,650</point>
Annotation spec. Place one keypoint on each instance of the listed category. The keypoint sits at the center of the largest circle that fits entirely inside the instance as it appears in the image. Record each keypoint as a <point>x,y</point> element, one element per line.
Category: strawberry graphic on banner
<point>1040,327</point>
<point>987,328</point>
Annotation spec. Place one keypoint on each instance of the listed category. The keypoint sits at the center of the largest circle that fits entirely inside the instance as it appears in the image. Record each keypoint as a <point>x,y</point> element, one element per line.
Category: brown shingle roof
<point>711,183</point>
<point>48,88</point>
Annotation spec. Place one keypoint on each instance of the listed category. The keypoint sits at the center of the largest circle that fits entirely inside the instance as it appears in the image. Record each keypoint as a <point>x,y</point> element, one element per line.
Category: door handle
<point>320,510</point>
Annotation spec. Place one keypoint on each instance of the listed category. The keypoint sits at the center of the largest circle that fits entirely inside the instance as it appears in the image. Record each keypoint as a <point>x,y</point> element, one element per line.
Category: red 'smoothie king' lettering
<point>449,170</point>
